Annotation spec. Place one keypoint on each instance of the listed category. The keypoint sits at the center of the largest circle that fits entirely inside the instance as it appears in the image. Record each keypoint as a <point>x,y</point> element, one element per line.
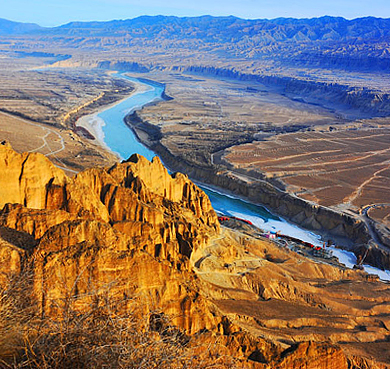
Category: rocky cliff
<point>133,232</point>
<point>133,205</point>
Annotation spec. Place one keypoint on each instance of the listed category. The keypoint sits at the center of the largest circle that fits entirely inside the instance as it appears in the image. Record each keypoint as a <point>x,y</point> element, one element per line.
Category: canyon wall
<point>330,95</point>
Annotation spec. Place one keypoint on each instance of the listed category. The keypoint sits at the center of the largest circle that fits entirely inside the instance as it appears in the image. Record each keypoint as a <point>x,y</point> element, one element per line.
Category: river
<point>121,140</point>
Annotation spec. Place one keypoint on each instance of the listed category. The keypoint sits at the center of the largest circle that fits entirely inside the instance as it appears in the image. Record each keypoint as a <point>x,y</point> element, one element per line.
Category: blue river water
<point>117,136</point>
<point>121,140</point>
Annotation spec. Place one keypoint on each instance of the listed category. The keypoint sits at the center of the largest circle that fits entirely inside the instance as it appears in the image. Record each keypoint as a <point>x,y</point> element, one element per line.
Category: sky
<point>56,12</point>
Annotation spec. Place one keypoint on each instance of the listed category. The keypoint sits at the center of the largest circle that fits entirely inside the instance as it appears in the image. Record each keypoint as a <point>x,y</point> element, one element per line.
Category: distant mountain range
<point>221,29</point>
<point>232,29</point>
<point>331,42</point>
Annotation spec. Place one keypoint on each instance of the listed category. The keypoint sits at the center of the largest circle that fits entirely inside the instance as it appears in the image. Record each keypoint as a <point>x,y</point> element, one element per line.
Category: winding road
<point>48,131</point>
<point>369,223</point>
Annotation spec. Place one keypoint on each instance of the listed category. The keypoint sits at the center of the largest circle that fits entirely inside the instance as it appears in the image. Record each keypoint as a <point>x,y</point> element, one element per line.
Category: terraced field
<point>345,169</point>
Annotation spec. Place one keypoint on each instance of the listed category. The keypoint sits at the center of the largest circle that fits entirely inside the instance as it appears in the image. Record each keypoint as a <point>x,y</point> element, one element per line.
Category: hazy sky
<point>56,12</point>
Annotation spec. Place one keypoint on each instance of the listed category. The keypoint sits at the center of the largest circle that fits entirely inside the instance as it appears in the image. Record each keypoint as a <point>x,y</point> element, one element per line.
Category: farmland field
<point>340,169</point>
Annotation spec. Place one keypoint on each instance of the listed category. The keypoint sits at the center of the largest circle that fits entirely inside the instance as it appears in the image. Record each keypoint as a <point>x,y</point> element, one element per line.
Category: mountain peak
<point>8,27</point>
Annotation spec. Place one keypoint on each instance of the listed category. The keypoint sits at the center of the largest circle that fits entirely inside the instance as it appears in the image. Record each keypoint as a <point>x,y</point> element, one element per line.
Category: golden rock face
<point>132,227</point>
<point>134,232</point>
<point>26,178</point>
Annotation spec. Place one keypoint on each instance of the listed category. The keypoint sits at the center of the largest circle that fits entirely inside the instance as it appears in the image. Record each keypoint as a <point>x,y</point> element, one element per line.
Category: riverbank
<point>93,124</point>
<point>342,228</point>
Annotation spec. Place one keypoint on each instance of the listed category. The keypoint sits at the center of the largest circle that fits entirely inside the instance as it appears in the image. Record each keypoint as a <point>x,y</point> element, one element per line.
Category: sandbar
<point>94,124</point>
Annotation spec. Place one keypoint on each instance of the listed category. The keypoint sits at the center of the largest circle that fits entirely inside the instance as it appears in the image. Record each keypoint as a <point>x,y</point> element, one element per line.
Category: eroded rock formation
<point>135,232</point>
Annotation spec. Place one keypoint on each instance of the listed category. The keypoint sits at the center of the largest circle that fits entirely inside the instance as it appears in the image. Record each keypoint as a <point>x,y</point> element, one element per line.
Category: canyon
<point>225,146</point>
<point>138,233</point>
<point>291,114</point>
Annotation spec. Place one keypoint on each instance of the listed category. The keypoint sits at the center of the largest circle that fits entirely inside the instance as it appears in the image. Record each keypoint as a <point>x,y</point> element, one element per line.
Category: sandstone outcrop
<point>27,178</point>
<point>309,355</point>
<point>134,232</point>
<point>11,256</point>
<point>134,212</point>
